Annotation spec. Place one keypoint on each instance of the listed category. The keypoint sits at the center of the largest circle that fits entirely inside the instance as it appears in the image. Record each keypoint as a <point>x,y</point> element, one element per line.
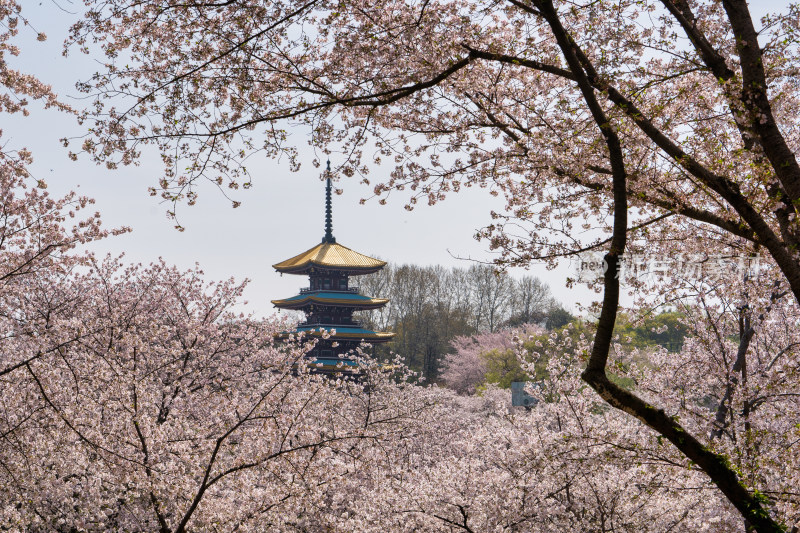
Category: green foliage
<point>503,367</point>
<point>557,317</point>
<point>621,381</point>
<point>664,329</point>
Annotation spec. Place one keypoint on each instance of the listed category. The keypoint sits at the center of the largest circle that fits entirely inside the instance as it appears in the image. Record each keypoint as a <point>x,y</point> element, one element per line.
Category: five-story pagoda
<point>329,301</point>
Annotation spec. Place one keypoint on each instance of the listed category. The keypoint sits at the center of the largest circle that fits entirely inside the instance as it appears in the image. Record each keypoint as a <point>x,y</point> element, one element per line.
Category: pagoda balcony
<point>348,323</point>
<point>309,289</point>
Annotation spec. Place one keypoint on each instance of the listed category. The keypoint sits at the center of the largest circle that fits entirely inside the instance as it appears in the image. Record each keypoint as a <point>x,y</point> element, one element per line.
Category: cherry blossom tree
<point>18,86</point>
<point>652,122</point>
<point>466,367</point>
<point>472,463</point>
<point>169,413</point>
<point>133,399</point>
<point>37,231</point>
<point>735,381</point>
<point>571,464</point>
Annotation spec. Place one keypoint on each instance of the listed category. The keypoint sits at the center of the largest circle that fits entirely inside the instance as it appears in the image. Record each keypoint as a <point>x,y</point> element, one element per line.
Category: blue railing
<point>309,289</point>
<point>350,323</point>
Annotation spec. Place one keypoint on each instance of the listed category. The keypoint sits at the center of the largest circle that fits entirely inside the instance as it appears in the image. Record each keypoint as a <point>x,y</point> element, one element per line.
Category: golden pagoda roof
<point>330,255</point>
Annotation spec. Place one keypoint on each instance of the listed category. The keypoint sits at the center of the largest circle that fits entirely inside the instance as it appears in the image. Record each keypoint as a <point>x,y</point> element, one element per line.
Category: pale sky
<point>281,216</point>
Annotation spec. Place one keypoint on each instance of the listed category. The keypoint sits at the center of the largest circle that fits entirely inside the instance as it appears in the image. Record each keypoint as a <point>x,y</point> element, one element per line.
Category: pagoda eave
<point>308,268</point>
<point>364,304</point>
<point>341,334</point>
<point>377,337</point>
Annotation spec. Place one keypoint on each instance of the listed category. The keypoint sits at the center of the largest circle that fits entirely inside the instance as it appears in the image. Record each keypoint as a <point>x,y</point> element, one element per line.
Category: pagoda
<point>329,301</point>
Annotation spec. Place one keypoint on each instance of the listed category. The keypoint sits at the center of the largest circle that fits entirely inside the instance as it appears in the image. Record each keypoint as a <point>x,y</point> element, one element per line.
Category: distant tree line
<point>431,305</point>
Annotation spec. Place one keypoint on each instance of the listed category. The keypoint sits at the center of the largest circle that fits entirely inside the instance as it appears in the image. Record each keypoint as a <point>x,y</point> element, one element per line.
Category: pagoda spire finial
<point>328,238</point>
